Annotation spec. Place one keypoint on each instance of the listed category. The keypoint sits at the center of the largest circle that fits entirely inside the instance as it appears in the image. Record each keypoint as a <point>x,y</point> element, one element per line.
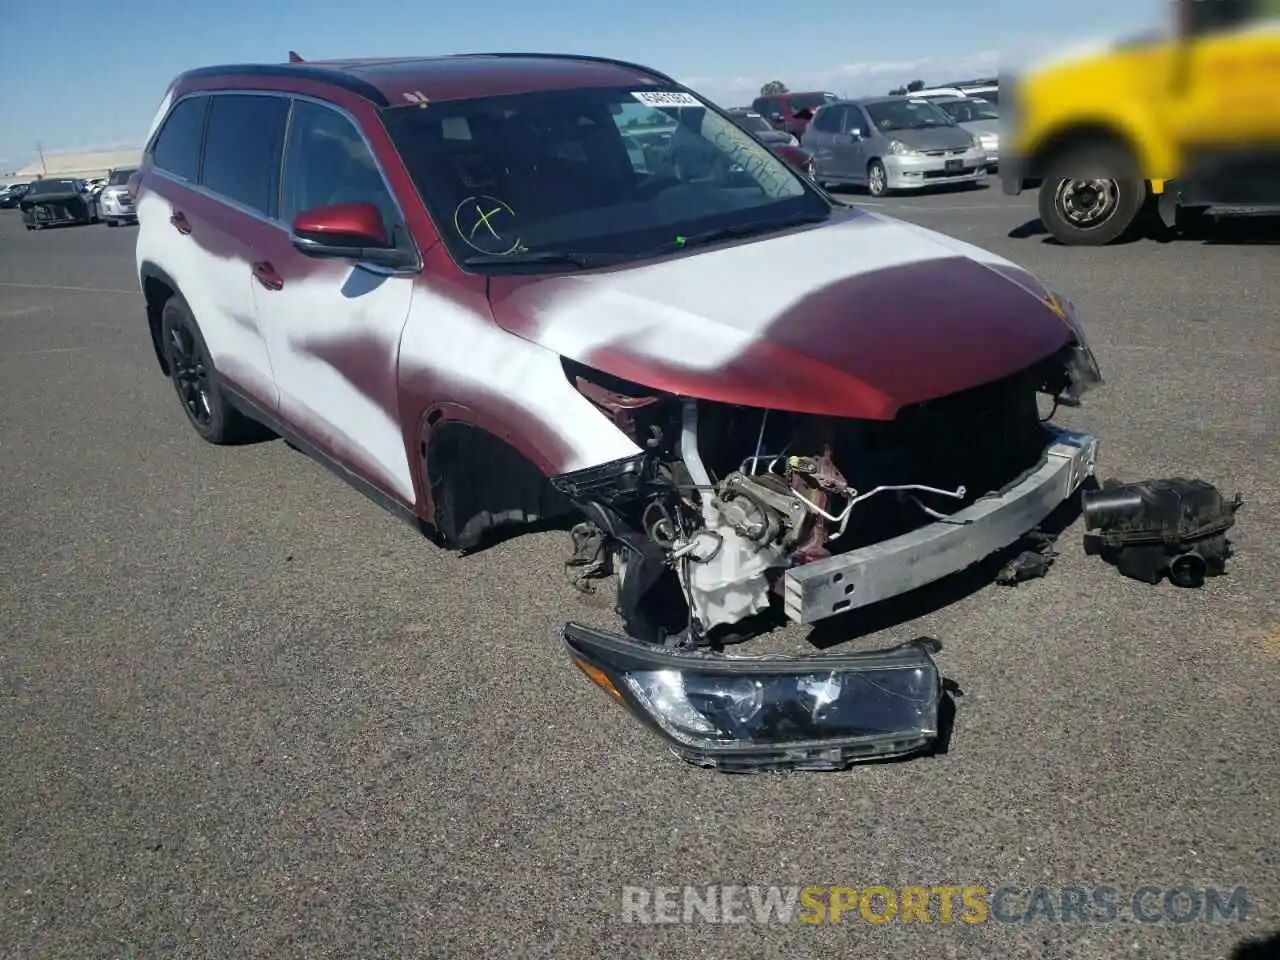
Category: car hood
<point>932,138</point>
<point>980,127</point>
<point>856,317</point>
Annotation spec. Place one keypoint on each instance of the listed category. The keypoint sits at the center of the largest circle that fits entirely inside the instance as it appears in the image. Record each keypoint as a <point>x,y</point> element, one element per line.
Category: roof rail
<point>296,71</point>
<point>576,56</point>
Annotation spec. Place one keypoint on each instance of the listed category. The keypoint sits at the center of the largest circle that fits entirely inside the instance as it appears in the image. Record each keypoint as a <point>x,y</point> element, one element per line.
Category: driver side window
<point>327,162</point>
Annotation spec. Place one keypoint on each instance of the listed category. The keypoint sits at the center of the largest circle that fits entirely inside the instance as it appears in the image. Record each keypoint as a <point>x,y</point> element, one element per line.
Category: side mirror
<point>855,132</point>
<point>347,231</point>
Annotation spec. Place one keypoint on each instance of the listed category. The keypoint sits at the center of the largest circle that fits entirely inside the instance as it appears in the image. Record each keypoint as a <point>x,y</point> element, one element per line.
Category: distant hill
<point>81,163</point>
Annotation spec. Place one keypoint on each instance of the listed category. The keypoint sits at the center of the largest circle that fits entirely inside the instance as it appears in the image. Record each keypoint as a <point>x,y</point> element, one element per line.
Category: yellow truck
<point>1175,125</point>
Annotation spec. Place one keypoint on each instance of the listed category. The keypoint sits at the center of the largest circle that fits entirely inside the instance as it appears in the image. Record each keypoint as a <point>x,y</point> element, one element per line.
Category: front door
<point>849,149</point>
<point>333,327</point>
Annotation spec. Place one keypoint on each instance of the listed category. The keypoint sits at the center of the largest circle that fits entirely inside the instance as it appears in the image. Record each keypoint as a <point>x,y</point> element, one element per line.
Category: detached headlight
<point>900,148</point>
<point>746,714</point>
<point>793,142</point>
<point>1083,370</point>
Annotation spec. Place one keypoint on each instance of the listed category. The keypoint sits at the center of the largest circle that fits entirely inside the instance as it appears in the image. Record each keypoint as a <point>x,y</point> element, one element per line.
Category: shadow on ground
<point>1226,231</point>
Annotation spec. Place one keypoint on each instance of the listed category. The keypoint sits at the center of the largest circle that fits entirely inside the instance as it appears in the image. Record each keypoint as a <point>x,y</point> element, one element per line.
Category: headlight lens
<point>760,713</point>
<point>900,148</point>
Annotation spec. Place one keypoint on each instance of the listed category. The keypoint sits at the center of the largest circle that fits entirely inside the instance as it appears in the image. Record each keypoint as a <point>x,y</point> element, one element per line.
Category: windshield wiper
<point>732,232</point>
<point>580,260</point>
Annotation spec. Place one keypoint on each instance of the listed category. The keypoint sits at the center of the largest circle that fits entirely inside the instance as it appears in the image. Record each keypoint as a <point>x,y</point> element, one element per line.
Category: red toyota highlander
<point>463,283</point>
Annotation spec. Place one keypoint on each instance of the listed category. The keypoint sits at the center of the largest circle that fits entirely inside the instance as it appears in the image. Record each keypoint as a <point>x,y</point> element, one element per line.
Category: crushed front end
<point>732,511</point>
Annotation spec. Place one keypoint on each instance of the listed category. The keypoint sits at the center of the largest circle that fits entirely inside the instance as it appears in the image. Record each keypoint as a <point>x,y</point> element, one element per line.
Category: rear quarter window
<point>177,147</point>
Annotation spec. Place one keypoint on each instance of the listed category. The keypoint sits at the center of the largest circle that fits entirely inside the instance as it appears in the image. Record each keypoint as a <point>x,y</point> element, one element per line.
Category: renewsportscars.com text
<point>973,904</point>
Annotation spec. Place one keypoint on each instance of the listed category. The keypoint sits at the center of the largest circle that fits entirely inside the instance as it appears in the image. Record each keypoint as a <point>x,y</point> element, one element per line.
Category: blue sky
<point>89,73</point>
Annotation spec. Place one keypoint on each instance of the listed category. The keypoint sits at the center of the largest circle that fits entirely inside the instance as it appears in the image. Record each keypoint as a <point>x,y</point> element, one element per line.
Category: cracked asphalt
<point>245,713</point>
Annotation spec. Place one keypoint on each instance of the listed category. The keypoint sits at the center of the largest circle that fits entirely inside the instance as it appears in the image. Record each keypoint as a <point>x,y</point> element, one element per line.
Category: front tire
<point>195,378</point>
<point>1091,212</point>
<point>877,179</point>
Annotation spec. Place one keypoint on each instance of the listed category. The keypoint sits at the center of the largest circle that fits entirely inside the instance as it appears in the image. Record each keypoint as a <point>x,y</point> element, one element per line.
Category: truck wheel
<point>1091,213</point>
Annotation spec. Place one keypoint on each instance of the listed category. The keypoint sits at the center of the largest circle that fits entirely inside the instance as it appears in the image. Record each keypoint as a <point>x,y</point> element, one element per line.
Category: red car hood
<point>855,318</point>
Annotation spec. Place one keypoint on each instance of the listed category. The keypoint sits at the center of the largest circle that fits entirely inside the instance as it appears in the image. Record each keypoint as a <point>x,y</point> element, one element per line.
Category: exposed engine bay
<point>703,527</point>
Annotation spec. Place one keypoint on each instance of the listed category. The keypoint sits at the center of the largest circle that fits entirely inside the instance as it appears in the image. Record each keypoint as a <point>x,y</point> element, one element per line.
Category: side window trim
<point>284,162</point>
<point>373,155</point>
<point>403,235</point>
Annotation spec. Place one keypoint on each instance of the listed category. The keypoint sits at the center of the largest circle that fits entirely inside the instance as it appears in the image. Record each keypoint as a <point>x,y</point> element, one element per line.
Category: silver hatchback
<point>892,143</point>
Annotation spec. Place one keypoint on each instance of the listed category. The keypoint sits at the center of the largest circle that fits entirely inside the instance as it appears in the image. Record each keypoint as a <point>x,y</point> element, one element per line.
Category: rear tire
<point>195,379</point>
<point>1091,212</point>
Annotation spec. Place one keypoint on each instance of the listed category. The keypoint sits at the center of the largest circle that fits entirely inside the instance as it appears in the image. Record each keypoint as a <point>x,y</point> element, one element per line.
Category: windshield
<point>753,123</point>
<point>891,115</point>
<point>965,111</point>
<point>612,173</point>
<point>52,186</point>
<point>119,178</point>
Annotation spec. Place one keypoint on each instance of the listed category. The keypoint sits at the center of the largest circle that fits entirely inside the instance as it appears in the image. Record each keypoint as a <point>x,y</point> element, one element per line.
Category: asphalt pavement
<point>246,713</point>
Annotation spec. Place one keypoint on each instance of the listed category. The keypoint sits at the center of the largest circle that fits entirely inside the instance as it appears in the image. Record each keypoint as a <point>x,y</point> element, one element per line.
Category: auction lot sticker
<point>659,99</point>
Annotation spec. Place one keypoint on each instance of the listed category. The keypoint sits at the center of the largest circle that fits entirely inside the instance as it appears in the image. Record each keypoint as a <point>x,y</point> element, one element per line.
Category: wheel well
<point>491,484</point>
<point>156,293</point>
<point>1088,136</point>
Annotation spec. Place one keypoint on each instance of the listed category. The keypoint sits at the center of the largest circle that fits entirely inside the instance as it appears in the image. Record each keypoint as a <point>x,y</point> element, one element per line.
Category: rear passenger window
<point>242,149</point>
<point>177,148</point>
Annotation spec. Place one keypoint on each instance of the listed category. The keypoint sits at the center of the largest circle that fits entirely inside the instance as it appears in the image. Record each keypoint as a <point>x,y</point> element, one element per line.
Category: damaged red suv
<point>460,282</point>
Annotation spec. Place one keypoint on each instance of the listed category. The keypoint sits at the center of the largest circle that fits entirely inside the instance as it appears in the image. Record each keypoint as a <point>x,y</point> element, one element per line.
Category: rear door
<point>239,186</point>
<point>333,326</point>
<point>190,234</point>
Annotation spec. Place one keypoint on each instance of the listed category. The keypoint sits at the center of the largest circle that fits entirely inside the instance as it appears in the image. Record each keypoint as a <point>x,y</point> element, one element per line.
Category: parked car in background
<point>785,145</point>
<point>56,201</point>
<point>791,112</point>
<point>936,93</point>
<point>10,195</point>
<point>892,143</point>
<point>988,88</point>
<point>764,131</point>
<point>980,117</point>
<point>115,202</point>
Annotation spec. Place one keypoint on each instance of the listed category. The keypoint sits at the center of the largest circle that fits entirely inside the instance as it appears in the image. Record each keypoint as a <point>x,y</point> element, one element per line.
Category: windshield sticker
<point>488,225</point>
<point>660,99</point>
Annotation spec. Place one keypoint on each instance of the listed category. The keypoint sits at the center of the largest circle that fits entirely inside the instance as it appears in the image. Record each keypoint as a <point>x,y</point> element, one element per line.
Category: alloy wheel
<point>876,180</point>
<point>190,374</point>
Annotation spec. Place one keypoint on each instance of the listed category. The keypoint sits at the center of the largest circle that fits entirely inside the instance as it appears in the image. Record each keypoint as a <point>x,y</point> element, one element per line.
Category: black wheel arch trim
<point>148,275</point>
